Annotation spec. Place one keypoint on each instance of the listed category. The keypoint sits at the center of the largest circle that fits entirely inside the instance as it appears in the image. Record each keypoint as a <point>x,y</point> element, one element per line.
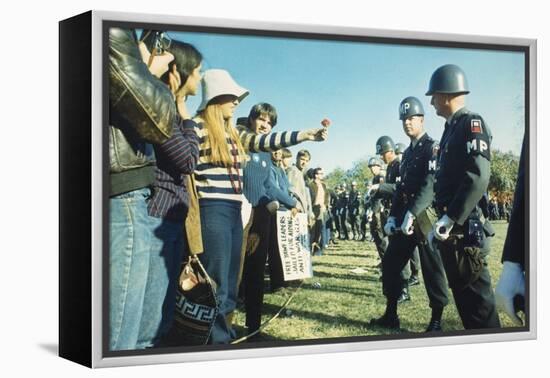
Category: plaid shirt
<point>176,157</point>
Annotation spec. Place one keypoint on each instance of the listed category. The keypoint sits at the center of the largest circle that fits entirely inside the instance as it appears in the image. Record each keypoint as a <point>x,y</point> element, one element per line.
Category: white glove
<point>389,227</point>
<point>374,188</point>
<point>442,228</point>
<point>510,284</point>
<point>369,215</point>
<point>273,206</point>
<point>407,224</point>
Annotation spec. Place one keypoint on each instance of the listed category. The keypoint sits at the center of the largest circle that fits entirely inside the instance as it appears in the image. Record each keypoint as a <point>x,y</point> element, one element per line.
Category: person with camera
<point>142,113</point>
<point>461,234</point>
<point>410,206</point>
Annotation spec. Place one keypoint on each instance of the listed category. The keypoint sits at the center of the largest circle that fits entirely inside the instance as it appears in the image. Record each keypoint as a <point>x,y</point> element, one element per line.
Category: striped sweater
<point>217,182</point>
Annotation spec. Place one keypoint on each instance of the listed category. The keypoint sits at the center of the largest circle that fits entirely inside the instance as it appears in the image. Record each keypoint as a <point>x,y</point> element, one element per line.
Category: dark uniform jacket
<point>354,202</point>
<point>370,201</point>
<point>386,189</point>
<point>414,192</point>
<point>463,166</point>
<point>333,202</point>
<point>343,200</point>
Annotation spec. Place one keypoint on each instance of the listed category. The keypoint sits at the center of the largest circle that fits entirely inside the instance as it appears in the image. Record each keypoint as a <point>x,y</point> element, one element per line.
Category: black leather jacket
<point>141,111</point>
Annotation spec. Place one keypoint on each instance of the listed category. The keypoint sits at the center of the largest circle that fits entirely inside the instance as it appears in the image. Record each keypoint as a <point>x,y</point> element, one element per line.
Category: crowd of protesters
<point>160,151</point>
<point>157,144</point>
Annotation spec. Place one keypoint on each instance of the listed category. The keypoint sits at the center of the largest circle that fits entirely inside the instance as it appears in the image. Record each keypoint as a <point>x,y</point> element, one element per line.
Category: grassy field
<point>346,301</point>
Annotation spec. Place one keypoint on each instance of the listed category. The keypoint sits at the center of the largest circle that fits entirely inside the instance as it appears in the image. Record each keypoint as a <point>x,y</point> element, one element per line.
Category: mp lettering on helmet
<point>404,107</point>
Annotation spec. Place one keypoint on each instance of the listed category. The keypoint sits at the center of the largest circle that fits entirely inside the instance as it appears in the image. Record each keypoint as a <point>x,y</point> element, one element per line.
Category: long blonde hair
<point>216,127</point>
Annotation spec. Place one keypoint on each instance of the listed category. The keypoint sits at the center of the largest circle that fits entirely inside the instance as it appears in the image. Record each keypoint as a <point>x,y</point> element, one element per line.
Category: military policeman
<point>343,200</point>
<point>399,150</point>
<point>411,202</point>
<point>461,180</point>
<point>373,208</point>
<point>333,205</point>
<point>415,259</point>
<point>353,209</point>
<point>385,147</point>
<point>375,166</point>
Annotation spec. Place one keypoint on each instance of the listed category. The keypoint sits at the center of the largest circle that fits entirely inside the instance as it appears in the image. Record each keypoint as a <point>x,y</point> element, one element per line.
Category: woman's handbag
<point>196,302</point>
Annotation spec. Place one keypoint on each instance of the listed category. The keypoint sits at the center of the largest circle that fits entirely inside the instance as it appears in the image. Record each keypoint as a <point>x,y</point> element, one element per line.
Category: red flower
<point>325,122</point>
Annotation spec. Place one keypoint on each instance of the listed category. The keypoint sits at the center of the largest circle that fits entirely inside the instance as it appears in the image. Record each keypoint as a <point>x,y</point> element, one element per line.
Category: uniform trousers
<point>343,224</point>
<point>475,301</point>
<point>354,223</point>
<point>398,254</point>
<point>377,233</point>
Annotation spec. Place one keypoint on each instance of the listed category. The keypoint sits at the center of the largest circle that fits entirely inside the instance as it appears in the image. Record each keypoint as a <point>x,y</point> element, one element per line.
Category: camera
<point>157,41</point>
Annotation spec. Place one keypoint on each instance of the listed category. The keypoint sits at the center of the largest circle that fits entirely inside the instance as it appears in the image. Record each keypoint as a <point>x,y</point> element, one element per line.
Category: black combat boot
<point>435,321</point>
<point>389,319</point>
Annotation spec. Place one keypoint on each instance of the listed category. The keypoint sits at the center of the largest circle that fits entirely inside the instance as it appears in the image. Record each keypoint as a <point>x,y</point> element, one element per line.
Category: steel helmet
<point>374,161</point>
<point>400,148</point>
<point>409,107</point>
<point>448,79</point>
<point>384,144</point>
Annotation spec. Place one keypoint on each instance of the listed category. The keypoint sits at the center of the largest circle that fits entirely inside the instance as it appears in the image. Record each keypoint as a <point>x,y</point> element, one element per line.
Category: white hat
<point>217,83</point>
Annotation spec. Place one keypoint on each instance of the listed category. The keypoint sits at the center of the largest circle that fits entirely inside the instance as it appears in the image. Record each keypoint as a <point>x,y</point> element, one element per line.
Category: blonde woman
<point>219,179</point>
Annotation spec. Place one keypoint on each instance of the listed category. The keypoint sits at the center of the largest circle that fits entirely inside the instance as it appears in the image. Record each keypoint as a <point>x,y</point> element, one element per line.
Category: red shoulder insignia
<point>476,126</point>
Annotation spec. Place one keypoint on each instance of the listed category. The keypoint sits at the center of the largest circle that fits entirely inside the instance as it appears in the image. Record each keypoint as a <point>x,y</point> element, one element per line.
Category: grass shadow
<point>356,255</point>
<point>363,292</point>
<point>344,276</point>
<point>334,320</point>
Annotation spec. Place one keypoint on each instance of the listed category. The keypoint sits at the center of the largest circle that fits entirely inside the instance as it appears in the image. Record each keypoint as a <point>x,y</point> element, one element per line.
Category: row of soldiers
<point>433,203</point>
<point>499,209</point>
<point>351,210</point>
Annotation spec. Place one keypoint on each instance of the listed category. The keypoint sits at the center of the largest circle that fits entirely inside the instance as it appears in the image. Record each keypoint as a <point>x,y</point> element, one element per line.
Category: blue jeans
<point>166,253</point>
<point>130,236</point>
<point>222,236</point>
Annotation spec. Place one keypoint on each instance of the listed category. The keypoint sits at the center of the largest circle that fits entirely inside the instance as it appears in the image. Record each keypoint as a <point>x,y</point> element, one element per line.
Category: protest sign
<point>293,236</point>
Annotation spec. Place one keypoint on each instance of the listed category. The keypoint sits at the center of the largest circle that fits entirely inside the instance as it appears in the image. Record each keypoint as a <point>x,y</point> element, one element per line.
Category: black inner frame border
<point>106,24</point>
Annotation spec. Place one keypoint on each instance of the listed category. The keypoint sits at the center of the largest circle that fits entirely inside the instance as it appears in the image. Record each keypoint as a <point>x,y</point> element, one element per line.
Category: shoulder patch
<point>475,126</point>
<point>432,162</point>
<point>435,149</point>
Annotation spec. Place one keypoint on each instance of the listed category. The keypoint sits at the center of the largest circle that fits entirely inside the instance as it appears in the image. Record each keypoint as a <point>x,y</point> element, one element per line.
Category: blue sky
<point>359,87</point>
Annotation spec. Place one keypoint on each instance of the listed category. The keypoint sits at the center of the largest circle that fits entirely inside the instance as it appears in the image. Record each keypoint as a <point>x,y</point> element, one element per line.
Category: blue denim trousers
<point>130,238</point>
<point>222,234</point>
<point>165,257</point>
